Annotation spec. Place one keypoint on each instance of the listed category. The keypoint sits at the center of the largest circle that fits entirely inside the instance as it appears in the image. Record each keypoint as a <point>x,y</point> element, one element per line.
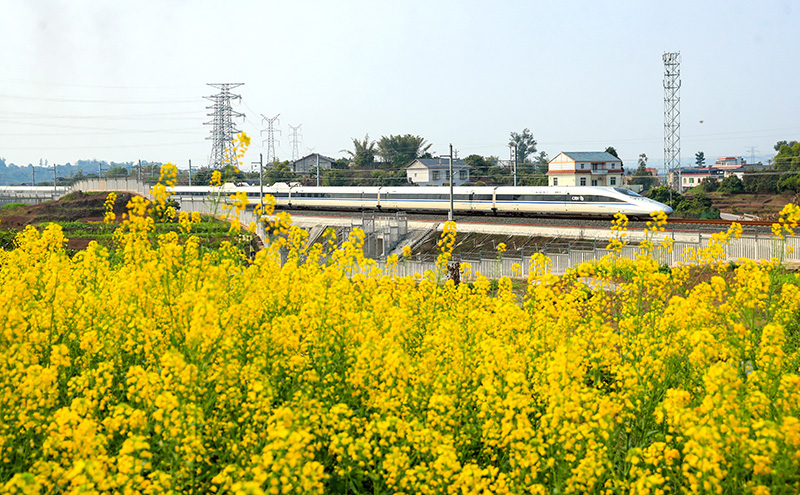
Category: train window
<point>482,197</point>
<point>627,192</point>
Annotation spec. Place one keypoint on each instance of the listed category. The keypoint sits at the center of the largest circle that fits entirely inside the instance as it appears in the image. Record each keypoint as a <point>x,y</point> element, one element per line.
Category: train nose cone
<point>667,210</point>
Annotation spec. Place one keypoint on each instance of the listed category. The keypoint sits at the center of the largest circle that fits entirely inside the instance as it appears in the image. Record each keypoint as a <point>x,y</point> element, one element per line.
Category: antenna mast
<point>672,115</point>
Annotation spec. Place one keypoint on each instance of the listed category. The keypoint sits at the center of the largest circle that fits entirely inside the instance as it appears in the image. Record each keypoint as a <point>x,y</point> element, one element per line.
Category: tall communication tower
<point>672,115</point>
<point>295,140</point>
<point>270,137</point>
<point>222,130</point>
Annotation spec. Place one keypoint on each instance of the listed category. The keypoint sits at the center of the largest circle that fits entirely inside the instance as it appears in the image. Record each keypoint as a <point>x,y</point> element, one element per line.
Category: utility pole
<point>317,169</point>
<point>140,171</point>
<point>450,213</point>
<point>55,191</point>
<point>190,173</point>
<point>450,168</point>
<point>33,173</point>
<point>260,176</point>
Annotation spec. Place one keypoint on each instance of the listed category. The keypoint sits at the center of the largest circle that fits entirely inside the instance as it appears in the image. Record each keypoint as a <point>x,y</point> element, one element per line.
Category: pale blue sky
<point>124,80</point>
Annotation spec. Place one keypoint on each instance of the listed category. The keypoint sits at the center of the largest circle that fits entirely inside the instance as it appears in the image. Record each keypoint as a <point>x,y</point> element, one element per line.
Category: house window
<point>462,175</point>
<point>691,180</point>
<point>583,181</point>
<point>612,181</point>
<point>555,181</point>
<point>435,175</point>
<point>594,182</point>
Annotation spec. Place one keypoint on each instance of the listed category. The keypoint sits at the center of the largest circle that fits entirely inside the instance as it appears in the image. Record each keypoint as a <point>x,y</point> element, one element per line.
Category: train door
<point>471,200</point>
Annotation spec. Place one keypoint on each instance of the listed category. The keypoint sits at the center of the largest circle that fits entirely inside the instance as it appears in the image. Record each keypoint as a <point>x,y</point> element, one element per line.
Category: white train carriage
<point>589,201</point>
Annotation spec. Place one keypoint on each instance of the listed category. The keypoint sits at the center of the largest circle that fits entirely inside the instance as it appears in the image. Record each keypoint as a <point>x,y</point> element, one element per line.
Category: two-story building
<point>584,168</point>
<point>692,177</point>
<point>436,172</point>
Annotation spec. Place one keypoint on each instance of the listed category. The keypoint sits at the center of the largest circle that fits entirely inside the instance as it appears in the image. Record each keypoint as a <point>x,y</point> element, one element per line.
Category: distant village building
<point>436,172</point>
<point>308,164</point>
<point>691,177</point>
<point>730,161</point>
<point>724,167</point>
<point>584,168</point>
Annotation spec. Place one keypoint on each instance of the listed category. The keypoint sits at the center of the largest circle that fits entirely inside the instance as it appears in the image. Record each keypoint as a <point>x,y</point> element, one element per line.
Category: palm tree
<point>398,151</point>
<point>364,152</point>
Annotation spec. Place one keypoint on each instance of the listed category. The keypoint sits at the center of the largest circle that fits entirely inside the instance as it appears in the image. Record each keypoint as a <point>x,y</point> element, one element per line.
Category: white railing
<point>517,266</point>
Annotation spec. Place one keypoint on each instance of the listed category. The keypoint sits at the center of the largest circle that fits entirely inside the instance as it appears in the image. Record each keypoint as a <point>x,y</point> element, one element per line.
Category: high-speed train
<point>587,201</point>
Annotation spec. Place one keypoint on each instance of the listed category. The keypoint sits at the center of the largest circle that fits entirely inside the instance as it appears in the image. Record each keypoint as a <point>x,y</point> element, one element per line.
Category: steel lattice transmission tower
<point>270,137</point>
<point>672,114</point>
<point>222,131</point>
<point>295,140</point>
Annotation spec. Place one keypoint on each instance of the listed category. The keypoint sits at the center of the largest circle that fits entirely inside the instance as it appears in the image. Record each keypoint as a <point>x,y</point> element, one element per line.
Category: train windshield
<point>627,192</point>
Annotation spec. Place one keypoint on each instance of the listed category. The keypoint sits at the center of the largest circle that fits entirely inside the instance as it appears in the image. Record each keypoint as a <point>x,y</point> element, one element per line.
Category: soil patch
<point>75,207</point>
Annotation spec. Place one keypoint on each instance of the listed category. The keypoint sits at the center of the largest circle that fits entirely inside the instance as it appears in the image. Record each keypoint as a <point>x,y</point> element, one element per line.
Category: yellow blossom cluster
<point>171,369</point>
<point>788,219</point>
<point>619,232</point>
<point>108,206</point>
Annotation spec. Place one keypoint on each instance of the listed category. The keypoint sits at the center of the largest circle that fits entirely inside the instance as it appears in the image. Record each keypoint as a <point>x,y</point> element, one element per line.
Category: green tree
<point>116,171</point>
<point>760,183</point>
<point>479,167</point>
<point>363,154</point>
<point>279,172</point>
<point>398,151</point>
<point>709,184</point>
<point>542,163</point>
<point>787,161</point>
<point>612,151</point>
<point>334,177</point>
<point>731,184</point>
<point>783,142</point>
<point>523,145</point>
<point>662,195</point>
<point>642,176</point>
<point>700,159</point>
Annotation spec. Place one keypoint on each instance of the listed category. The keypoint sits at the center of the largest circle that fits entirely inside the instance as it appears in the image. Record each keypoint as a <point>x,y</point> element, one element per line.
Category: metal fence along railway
<point>517,265</point>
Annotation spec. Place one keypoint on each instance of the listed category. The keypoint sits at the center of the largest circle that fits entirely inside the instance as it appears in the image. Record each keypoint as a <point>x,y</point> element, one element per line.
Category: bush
<point>732,185</point>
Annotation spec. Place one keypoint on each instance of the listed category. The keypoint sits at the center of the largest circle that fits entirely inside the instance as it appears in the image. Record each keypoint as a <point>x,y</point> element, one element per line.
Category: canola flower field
<point>161,368</point>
